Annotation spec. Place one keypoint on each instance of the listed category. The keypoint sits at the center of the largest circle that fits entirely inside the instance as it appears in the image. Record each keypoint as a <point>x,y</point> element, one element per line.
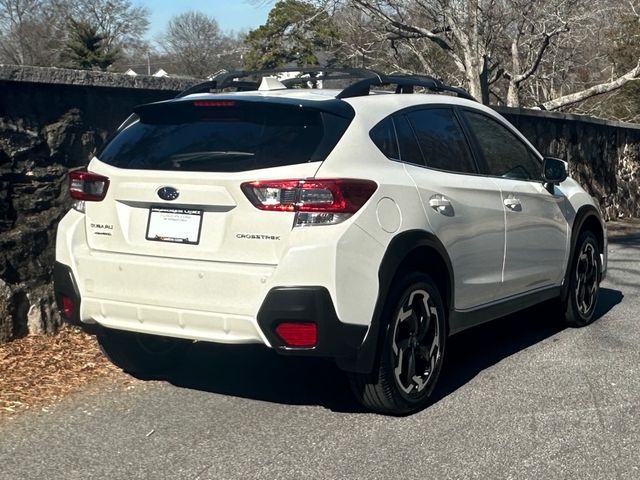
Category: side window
<point>441,140</point>
<point>384,137</point>
<point>409,149</point>
<point>505,154</point>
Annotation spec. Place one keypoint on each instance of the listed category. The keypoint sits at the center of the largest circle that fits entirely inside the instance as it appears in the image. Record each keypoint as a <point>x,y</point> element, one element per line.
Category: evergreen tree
<point>86,48</point>
<point>295,31</point>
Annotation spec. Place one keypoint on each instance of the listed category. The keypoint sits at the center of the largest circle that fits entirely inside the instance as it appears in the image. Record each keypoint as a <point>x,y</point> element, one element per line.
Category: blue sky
<point>230,14</point>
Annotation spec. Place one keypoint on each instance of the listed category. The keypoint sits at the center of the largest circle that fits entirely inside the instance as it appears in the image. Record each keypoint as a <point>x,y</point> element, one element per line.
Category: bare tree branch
<point>402,29</point>
<point>599,89</point>
<point>546,40</point>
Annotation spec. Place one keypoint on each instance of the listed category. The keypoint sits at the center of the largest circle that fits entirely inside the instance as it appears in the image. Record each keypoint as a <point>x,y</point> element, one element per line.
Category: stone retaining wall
<point>51,120</point>
<point>55,119</point>
<point>604,156</point>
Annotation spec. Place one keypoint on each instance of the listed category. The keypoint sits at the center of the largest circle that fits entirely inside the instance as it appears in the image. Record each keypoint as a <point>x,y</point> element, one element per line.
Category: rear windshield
<point>224,136</point>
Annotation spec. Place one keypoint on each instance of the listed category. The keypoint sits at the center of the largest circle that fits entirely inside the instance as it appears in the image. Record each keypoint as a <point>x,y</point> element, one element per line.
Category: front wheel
<point>412,350</point>
<point>142,354</point>
<point>584,282</point>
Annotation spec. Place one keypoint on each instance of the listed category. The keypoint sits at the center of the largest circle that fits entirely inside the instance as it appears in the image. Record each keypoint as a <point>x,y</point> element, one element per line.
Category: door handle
<point>438,202</point>
<point>513,204</point>
<point>441,204</point>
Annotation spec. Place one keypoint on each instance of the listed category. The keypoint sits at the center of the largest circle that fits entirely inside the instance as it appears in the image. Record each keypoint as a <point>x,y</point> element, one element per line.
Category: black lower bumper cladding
<point>309,304</point>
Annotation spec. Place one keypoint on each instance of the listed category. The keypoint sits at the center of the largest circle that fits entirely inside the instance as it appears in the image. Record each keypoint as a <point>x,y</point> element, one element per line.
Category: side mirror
<point>554,170</point>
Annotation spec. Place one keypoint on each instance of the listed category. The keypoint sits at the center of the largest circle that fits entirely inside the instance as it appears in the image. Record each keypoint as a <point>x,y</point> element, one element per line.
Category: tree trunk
<point>484,86</point>
<point>513,94</point>
<point>469,40</point>
<point>473,80</point>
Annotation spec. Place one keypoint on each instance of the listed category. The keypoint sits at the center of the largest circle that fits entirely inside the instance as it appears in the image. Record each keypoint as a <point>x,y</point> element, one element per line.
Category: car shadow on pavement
<point>255,372</point>
<point>474,350</point>
<point>628,237</point>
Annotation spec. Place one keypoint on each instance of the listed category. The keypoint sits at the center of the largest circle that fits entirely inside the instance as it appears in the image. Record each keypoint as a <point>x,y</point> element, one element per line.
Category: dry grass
<point>38,371</point>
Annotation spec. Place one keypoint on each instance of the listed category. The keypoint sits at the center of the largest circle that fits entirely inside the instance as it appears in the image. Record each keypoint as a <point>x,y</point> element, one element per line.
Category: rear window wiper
<point>207,155</point>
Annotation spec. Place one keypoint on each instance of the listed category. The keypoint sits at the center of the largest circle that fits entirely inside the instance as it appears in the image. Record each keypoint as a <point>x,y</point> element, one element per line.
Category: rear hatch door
<point>175,174</point>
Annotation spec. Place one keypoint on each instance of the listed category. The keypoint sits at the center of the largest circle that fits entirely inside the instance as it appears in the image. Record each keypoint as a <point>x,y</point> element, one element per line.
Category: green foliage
<point>295,32</point>
<point>86,48</point>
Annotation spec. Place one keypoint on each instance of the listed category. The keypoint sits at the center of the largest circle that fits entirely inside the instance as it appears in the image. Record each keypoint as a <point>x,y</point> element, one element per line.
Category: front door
<point>536,240</point>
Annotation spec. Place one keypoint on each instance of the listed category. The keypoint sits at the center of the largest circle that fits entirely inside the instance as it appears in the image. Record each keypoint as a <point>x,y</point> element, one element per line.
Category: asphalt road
<point>519,398</point>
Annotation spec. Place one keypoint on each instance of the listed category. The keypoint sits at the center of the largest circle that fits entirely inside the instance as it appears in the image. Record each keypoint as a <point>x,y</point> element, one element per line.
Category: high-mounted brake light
<point>214,103</point>
<point>87,186</point>
<point>316,202</point>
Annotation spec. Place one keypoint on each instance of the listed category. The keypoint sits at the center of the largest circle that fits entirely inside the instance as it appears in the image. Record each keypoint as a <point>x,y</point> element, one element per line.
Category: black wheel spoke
<point>414,321</point>
<point>411,366</point>
<point>404,344</point>
<point>423,315</point>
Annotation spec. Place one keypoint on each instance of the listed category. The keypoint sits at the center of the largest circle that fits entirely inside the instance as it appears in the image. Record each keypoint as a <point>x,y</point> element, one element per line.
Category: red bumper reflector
<point>298,334</point>
<point>67,307</point>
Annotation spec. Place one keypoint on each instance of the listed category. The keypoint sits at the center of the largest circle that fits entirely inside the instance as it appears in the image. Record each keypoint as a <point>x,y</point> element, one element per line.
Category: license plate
<point>178,225</point>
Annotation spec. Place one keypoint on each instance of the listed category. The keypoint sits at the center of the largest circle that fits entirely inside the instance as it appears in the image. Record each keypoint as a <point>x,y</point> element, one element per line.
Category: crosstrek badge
<point>253,236</point>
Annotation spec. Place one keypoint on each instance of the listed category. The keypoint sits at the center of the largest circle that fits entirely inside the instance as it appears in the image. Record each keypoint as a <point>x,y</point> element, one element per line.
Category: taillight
<point>87,186</point>
<point>316,202</point>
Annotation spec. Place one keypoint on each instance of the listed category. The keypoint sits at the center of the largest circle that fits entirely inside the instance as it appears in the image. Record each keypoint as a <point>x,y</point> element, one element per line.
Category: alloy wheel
<point>415,343</point>
<point>586,290</point>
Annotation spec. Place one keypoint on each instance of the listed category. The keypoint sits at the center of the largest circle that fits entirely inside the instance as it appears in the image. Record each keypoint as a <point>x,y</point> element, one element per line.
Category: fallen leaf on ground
<point>37,371</point>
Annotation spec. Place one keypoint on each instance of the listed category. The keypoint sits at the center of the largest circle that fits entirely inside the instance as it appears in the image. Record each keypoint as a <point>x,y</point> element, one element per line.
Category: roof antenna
<point>271,83</point>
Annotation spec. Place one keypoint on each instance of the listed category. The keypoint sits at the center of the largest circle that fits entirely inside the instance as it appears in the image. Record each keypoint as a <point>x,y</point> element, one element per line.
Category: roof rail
<point>365,80</point>
<point>404,84</point>
<point>233,79</point>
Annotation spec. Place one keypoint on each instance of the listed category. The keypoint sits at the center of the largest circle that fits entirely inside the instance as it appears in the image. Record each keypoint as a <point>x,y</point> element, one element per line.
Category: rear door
<point>175,178</point>
<point>464,209</point>
<point>536,242</point>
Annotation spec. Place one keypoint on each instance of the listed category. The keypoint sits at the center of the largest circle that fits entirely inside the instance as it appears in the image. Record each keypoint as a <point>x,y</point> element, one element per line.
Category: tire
<point>141,354</point>
<point>412,341</point>
<point>584,282</point>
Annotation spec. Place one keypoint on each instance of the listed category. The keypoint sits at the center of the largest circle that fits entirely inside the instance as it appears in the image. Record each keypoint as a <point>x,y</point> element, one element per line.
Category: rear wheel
<point>412,351</point>
<point>584,282</point>
<point>142,354</point>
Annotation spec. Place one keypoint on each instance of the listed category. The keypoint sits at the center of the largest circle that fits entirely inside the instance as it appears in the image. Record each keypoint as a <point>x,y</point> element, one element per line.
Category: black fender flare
<point>398,250</point>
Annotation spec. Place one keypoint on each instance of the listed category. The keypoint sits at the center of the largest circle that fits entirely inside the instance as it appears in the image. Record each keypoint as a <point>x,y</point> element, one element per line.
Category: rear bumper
<point>292,304</point>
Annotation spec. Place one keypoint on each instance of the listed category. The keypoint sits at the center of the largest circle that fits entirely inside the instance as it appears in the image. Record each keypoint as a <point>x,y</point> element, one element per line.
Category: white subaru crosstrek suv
<point>364,226</point>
